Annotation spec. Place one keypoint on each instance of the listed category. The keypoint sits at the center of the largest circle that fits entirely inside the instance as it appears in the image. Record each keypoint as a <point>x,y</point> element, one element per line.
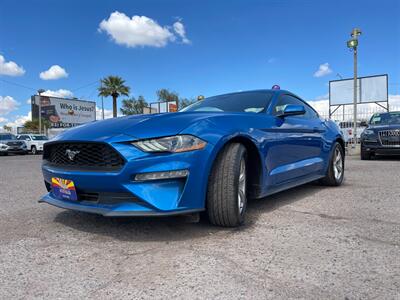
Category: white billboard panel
<point>63,113</point>
<point>369,89</point>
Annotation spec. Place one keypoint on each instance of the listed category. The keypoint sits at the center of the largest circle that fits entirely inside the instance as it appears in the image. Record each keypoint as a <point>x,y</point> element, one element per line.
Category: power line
<point>84,86</point>
<point>19,85</point>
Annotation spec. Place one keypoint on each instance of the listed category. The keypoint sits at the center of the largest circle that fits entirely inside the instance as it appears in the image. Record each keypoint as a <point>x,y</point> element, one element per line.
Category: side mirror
<point>293,110</point>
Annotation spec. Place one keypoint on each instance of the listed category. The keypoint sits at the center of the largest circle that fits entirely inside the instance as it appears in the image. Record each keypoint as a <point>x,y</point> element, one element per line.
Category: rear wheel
<point>335,173</point>
<point>227,187</point>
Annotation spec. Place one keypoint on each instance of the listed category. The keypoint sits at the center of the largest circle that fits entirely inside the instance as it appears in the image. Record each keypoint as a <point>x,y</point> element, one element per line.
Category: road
<point>310,242</point>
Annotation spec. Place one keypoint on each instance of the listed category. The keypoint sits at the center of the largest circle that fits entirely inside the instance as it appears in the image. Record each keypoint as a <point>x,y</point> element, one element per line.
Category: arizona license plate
<point>63,189</point>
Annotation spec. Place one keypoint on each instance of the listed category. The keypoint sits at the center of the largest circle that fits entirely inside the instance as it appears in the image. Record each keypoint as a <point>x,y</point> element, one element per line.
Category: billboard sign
<point>63,113</point>
<point>369,89</point>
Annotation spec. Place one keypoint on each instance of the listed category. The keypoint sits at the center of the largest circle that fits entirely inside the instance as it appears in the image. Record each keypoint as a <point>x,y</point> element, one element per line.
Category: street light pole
<point>40,91</point>
<point>353,45</point>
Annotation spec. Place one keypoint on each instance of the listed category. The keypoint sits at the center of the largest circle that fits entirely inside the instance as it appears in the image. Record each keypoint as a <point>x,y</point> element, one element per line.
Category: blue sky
<point>192,47</point>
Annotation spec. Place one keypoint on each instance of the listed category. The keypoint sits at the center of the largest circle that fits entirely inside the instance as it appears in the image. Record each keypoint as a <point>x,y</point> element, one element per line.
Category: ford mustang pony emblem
<point>71,154</point>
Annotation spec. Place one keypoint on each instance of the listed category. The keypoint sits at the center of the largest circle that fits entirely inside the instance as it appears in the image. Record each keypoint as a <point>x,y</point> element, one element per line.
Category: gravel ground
<point>310,242</point>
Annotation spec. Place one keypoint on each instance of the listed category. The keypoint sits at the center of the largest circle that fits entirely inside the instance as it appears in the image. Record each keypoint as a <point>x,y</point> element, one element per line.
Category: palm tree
<point>113,86</point>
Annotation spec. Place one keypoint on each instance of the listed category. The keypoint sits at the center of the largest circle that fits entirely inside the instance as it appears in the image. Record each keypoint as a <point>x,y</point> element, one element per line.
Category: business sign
<point>63,113</point>
<point>369,89</point>
<point>163,107</point>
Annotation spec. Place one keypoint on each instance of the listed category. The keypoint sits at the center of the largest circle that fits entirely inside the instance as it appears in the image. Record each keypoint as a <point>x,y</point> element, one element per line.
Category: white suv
<point>34,142</point>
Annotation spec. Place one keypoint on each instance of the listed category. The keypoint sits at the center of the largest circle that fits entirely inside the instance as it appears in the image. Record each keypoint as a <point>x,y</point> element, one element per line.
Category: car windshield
<point>250,102</point>
<point>385,119</point>
<point>7,137</point>
<point>39,138</point>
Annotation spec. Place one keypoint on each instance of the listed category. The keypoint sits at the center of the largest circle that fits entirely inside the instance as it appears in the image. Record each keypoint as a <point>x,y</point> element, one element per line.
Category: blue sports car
<point>211,156</point>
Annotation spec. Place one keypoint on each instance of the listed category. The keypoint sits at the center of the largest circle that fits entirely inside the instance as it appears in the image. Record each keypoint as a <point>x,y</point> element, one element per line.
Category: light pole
<point>352,44</point>
<point>40,91</point>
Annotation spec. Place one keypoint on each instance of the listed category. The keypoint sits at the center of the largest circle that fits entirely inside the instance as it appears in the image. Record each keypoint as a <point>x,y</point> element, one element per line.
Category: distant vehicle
<point>34,142</point>
<point>382,136</point>
<point>347,129</point>
<point>10,144</point>
<point>210,156</point>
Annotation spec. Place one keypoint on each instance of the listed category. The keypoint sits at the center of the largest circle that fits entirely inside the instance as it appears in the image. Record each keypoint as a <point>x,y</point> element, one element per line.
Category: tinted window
<point>385,119</point>
<point>39,138</point>
<point>7,137</point>
<point>286,100</point>
<point>251,102</point>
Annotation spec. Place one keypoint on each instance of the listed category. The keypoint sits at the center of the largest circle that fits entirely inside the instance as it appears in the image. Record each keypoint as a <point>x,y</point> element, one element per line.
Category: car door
<point>295,146</point>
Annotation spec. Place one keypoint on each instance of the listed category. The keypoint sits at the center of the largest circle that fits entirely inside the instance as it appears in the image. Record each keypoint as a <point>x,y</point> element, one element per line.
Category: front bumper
<point>149,198</point>
<point>377,148</point>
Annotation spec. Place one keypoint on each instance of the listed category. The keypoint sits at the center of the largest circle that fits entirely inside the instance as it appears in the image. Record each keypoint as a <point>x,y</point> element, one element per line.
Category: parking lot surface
<point>310,242</point>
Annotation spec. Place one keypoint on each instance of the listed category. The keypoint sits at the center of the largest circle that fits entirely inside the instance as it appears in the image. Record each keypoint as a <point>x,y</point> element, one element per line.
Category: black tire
<point>365,155</point>
<point>34,150</point>
<point>330,179</point>
<point>223,205</point>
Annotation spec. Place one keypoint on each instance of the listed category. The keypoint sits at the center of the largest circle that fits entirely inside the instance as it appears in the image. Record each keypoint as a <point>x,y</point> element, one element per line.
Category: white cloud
<point>20,120</point>
<point>2,120</point>
<point>7,105</point>
<point>323,70</point>
<point>107,113</point>
<point>10,68</point>
<point>61,93</point>
<point>140,31</point>
<point>53,73</point>
<point>179,28</point>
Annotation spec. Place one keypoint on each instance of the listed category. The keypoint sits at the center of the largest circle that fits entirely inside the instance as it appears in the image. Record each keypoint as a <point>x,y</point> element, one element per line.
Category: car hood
<point>137,127</point>
<point>377,128</point>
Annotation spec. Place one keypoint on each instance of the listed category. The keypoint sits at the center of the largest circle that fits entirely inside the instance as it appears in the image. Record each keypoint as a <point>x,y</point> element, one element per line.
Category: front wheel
<point>33,150</point>
<point>227,187</point>
<point>335,173</point>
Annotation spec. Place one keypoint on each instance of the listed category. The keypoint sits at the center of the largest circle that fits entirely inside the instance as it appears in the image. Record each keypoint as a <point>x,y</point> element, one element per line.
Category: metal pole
<point>102,101</point>
<point>355,99</point>
<point>40,114</point>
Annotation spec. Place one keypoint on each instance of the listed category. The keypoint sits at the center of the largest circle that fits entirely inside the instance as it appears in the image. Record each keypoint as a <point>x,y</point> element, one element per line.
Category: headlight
<point>3,146</point>
<point>368,132</point>
<point>177,143</point>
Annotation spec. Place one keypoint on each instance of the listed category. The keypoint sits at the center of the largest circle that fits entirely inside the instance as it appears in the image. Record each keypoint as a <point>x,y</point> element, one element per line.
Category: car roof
<point>273,91</point>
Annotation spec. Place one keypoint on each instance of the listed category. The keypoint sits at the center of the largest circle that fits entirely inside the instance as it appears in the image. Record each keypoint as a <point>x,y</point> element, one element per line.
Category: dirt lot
<point>309,242</point>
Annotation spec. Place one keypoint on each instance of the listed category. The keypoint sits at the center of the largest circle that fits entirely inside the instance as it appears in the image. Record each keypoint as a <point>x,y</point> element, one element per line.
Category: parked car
<point>34,142</point>
<point>211,156</point>
<point>382,136</point>
<point>10,144</point>
<point>347,129</point>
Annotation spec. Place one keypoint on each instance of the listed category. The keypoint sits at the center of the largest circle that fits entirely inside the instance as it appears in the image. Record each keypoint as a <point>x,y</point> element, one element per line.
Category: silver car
<point>10,144</point>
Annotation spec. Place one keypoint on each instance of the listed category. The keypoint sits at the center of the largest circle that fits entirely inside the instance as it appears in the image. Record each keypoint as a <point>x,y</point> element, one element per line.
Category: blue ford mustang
<point>211,156</point>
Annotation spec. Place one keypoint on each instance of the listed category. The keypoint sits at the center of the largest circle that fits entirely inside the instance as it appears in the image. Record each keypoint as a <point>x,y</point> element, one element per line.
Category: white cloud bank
<point>53,73</point>
<point>323,70</point>
<point>61,93</point>
<point>10,68</point>
<point>107,113</point>
<point>141,31</point>
<point>7,105</point>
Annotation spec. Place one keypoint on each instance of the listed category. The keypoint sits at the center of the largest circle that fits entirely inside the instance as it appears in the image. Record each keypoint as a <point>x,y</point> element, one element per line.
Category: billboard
<point>63,113</point>
<point>369,89</point>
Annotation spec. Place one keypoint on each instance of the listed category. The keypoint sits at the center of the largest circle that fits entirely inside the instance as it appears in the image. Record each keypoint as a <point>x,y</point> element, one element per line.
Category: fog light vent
<point>161,175</point>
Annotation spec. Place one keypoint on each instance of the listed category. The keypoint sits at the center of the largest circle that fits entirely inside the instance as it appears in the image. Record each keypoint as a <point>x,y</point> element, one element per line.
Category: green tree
<point>33,126</point>
<point>133,106</point>
<point>113,86</point>
<point>165,95</point>
<point>7,128</point>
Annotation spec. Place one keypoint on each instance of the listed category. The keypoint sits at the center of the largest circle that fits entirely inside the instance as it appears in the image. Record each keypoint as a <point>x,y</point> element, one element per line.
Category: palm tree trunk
<point>114,106</point>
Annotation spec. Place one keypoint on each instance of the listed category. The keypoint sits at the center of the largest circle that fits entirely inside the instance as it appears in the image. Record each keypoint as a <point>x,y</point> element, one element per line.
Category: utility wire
<point>17,84</point>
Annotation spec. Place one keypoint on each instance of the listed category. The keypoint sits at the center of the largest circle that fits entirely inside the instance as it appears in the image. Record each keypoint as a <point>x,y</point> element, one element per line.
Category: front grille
<point>79,155</point>
<point>390,138</point>
<point>13,144</point>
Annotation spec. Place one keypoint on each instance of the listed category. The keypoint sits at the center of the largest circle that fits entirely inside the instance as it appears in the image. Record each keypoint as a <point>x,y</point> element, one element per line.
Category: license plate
<point>63,189</point>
